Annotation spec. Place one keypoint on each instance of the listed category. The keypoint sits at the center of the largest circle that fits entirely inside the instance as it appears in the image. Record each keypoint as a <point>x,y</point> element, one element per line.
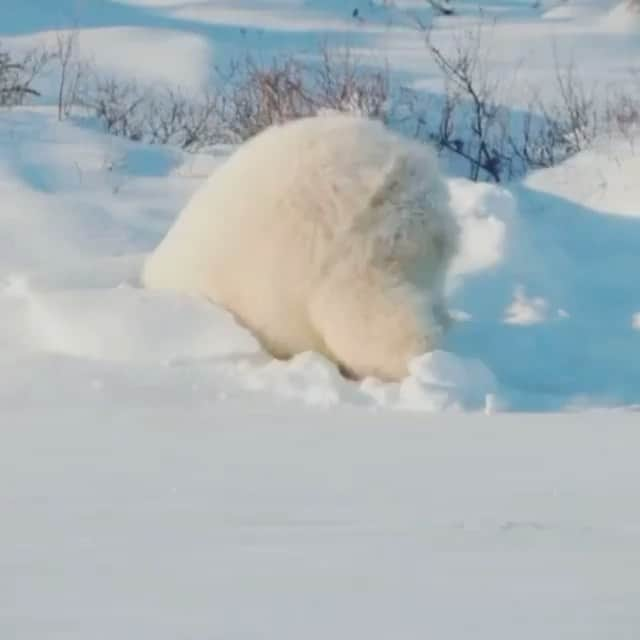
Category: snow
<point>162,477</point>
<point>122,324</point>
<point>249,521</point>
<point>151,56</point>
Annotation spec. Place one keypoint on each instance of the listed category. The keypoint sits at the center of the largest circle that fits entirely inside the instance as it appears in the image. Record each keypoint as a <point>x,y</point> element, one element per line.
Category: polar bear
<point>329,234</point>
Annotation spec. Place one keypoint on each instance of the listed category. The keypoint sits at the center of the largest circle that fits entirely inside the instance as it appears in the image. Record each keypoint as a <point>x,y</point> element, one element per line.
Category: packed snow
<point>161,517</point>
<point>161,476</point>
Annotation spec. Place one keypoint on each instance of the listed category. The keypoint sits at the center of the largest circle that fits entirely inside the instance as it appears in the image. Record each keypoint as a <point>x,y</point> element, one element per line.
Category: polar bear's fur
<point>329,234</point>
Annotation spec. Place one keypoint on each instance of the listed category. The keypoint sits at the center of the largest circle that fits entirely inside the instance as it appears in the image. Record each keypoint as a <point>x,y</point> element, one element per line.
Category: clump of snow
<point>441,380</point>
<point>485,213</point>
<point>526,310</point>
<point>438,381</point>
<point>307,376</point>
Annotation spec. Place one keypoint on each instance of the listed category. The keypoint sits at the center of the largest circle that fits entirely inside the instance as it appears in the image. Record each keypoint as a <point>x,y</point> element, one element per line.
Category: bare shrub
<point>154,115</point>
<point>552,130</point>
<point>575,115</point>
<point>469,121</point>
<point>17,76</point>
<point>535,143</point>
<point>251,96</point>
<point>73,72</point>
<point>189,122</point>
<point>259,95</point>
<point>472,122</point>
<point>622,112</point>
<point>341,83</point>
<point>118,105</point>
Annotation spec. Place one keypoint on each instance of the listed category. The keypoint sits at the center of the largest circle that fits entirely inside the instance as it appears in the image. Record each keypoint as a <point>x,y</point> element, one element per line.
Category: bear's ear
<point>389,180</point>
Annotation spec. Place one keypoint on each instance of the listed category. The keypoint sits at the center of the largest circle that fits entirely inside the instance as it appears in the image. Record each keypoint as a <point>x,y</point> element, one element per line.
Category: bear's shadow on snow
<point>584,263</point>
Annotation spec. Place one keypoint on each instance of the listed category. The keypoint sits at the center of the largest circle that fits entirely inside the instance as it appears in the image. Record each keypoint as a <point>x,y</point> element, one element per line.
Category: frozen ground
<point>161,477</point>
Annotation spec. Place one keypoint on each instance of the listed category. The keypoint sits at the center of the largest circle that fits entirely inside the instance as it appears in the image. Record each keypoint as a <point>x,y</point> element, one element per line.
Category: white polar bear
<point>329,234</point>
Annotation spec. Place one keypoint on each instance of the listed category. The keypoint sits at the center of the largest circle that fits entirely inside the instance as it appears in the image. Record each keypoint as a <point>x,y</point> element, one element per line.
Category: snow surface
<point>247,520</point>
<point>162,477</point>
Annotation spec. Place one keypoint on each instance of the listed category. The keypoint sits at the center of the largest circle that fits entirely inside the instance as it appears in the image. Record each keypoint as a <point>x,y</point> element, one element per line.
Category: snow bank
<point>129,325</point>
<point>147,56</point>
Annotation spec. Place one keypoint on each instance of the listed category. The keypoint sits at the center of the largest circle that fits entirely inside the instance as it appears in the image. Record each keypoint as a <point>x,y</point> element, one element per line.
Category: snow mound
<point>543,285</point>
<point>604,178</point>
<point>145,55</point>
<point>439,381</point>
<point>486,214</point>
<point>308,377</point>
<point>130,325</point>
